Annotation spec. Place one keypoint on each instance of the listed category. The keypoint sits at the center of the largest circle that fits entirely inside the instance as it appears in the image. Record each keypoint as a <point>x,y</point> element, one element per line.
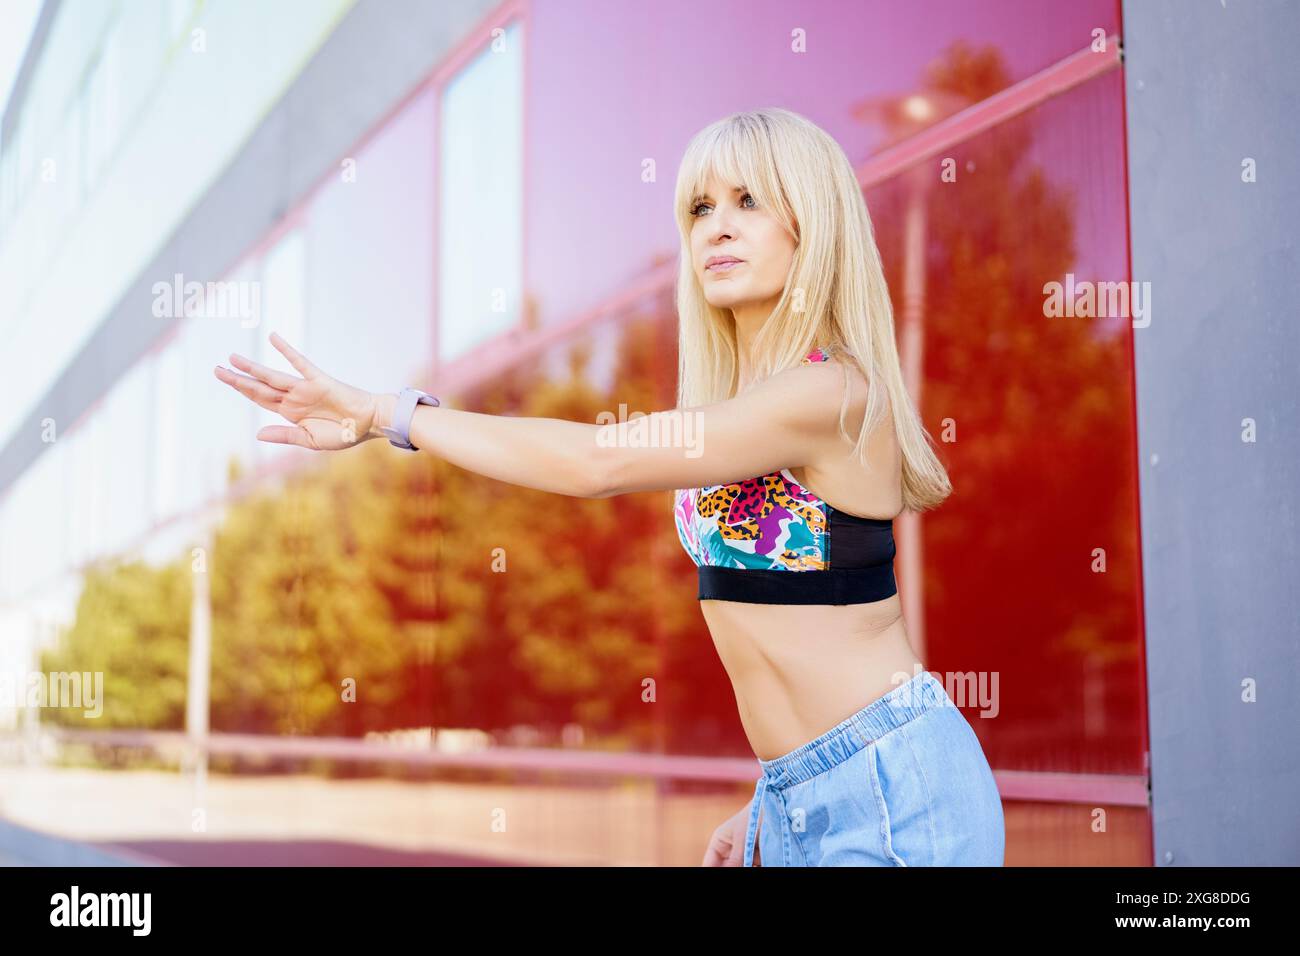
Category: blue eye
<point>695,210</point>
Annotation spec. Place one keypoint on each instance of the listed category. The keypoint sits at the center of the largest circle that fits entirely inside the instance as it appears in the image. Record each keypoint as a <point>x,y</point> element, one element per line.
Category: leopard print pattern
<point>768,522</point>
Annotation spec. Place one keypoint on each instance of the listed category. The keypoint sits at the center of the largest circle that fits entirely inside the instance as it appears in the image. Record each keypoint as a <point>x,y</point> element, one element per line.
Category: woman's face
<point>728,225</point>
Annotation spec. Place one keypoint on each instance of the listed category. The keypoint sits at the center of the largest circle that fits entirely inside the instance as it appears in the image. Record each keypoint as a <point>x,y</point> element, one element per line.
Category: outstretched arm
<point>788,420</point>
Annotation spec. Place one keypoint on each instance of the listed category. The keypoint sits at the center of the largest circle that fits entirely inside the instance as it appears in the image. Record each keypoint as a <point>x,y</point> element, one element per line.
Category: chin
<point>724,301</point>
<point>724,298</point>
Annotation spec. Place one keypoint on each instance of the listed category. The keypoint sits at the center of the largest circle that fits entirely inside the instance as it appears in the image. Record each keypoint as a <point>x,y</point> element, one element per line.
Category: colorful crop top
<point>769,540</point>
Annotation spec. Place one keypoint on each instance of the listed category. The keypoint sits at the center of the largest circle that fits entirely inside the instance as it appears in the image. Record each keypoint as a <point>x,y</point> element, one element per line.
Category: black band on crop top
<point>859,569</point>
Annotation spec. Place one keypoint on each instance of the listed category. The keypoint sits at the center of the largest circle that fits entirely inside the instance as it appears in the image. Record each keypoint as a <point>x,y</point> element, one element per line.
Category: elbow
<point>598,475</point>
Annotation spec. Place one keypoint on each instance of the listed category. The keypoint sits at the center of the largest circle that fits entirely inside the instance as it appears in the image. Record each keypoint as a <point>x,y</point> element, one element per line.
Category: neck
<point>749,319</point>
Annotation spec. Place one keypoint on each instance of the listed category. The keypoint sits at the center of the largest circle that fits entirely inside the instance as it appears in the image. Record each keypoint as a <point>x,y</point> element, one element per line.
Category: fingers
<point>737,855</point>
<point>280,380</point>
<point>721,850</point>
<point>286,435</point>
<point>296,358</point>
<point>266,396</point>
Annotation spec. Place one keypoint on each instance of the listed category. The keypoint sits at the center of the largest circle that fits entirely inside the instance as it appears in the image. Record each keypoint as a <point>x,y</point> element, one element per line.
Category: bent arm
<point>786,421</point>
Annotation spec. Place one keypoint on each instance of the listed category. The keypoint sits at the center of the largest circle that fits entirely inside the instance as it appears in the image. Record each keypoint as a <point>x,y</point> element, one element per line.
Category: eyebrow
<point>698,196</point>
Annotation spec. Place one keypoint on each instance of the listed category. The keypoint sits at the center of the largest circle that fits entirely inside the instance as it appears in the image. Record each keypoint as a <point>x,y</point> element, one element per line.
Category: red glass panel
<point>1039,411</point>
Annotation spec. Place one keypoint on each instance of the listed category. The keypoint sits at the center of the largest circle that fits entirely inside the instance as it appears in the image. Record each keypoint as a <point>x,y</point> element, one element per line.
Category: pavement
<point>280,820</point>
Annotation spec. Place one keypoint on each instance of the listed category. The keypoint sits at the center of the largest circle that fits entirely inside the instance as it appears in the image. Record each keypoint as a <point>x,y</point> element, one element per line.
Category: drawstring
<point>761,789</point>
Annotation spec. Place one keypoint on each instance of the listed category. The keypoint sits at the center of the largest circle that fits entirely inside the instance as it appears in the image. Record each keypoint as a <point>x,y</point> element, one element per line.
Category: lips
<point>721,263</point>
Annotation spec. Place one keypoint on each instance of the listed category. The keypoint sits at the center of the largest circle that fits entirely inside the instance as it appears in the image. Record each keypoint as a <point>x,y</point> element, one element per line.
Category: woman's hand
<point>327,415</point>
<point>727,845</point>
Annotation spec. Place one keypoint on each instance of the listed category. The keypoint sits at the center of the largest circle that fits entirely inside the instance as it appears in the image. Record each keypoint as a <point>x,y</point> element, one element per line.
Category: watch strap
<point>399,432</point>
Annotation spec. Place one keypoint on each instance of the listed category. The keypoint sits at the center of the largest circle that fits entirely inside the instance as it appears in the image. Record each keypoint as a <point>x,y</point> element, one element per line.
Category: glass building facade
<point>494,235</point>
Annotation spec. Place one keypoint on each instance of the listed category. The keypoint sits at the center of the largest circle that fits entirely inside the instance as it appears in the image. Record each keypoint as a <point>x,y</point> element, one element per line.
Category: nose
<point>721,226</point>
<point>720,229</point>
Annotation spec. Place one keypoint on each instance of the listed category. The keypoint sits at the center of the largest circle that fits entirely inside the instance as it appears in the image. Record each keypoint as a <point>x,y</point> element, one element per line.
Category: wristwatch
<point>399,434</point>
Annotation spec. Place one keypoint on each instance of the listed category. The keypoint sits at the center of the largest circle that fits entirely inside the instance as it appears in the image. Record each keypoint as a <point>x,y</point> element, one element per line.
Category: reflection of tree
<point>130,625</point>
<point>1043,467</point>
<point>379,567</point>
<point>294,615</point>
<point>585,600</point>
<point>972,73</point>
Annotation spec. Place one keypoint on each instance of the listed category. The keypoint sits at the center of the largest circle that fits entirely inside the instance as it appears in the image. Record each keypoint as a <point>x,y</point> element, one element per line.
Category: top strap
<point>821,354</point>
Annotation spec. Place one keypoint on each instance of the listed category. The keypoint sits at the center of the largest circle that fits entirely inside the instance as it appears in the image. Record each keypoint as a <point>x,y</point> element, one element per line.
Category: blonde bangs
<point>736,154</point>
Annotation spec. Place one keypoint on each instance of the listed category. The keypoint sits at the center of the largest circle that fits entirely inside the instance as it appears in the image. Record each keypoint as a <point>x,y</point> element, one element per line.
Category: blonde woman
<point>810,448</point>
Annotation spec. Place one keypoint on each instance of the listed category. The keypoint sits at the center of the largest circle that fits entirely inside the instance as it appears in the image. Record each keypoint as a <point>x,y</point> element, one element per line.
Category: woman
<point>786,335</point>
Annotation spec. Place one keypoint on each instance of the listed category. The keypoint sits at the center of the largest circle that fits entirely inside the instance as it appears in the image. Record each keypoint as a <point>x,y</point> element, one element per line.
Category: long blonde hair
<point>835,294</point>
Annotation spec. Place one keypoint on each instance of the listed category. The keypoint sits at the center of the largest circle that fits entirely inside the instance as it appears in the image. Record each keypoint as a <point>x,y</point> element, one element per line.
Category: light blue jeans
<point>903,782</point>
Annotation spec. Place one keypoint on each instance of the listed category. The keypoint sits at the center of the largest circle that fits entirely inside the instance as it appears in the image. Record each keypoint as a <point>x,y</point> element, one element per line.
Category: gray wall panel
<point>1209,84</point>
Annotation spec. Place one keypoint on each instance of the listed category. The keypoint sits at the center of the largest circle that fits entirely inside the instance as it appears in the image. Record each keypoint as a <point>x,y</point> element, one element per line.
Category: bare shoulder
<point>811,397</point>
<point>848,373</point>
<point>814,384</point>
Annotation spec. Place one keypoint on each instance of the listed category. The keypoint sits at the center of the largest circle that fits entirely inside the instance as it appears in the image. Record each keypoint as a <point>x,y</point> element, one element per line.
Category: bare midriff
<point>798,670</point>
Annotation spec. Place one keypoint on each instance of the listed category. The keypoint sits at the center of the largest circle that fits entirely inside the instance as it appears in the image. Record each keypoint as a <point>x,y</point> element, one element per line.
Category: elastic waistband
<point>764,586</point>
<point>907,701</point>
